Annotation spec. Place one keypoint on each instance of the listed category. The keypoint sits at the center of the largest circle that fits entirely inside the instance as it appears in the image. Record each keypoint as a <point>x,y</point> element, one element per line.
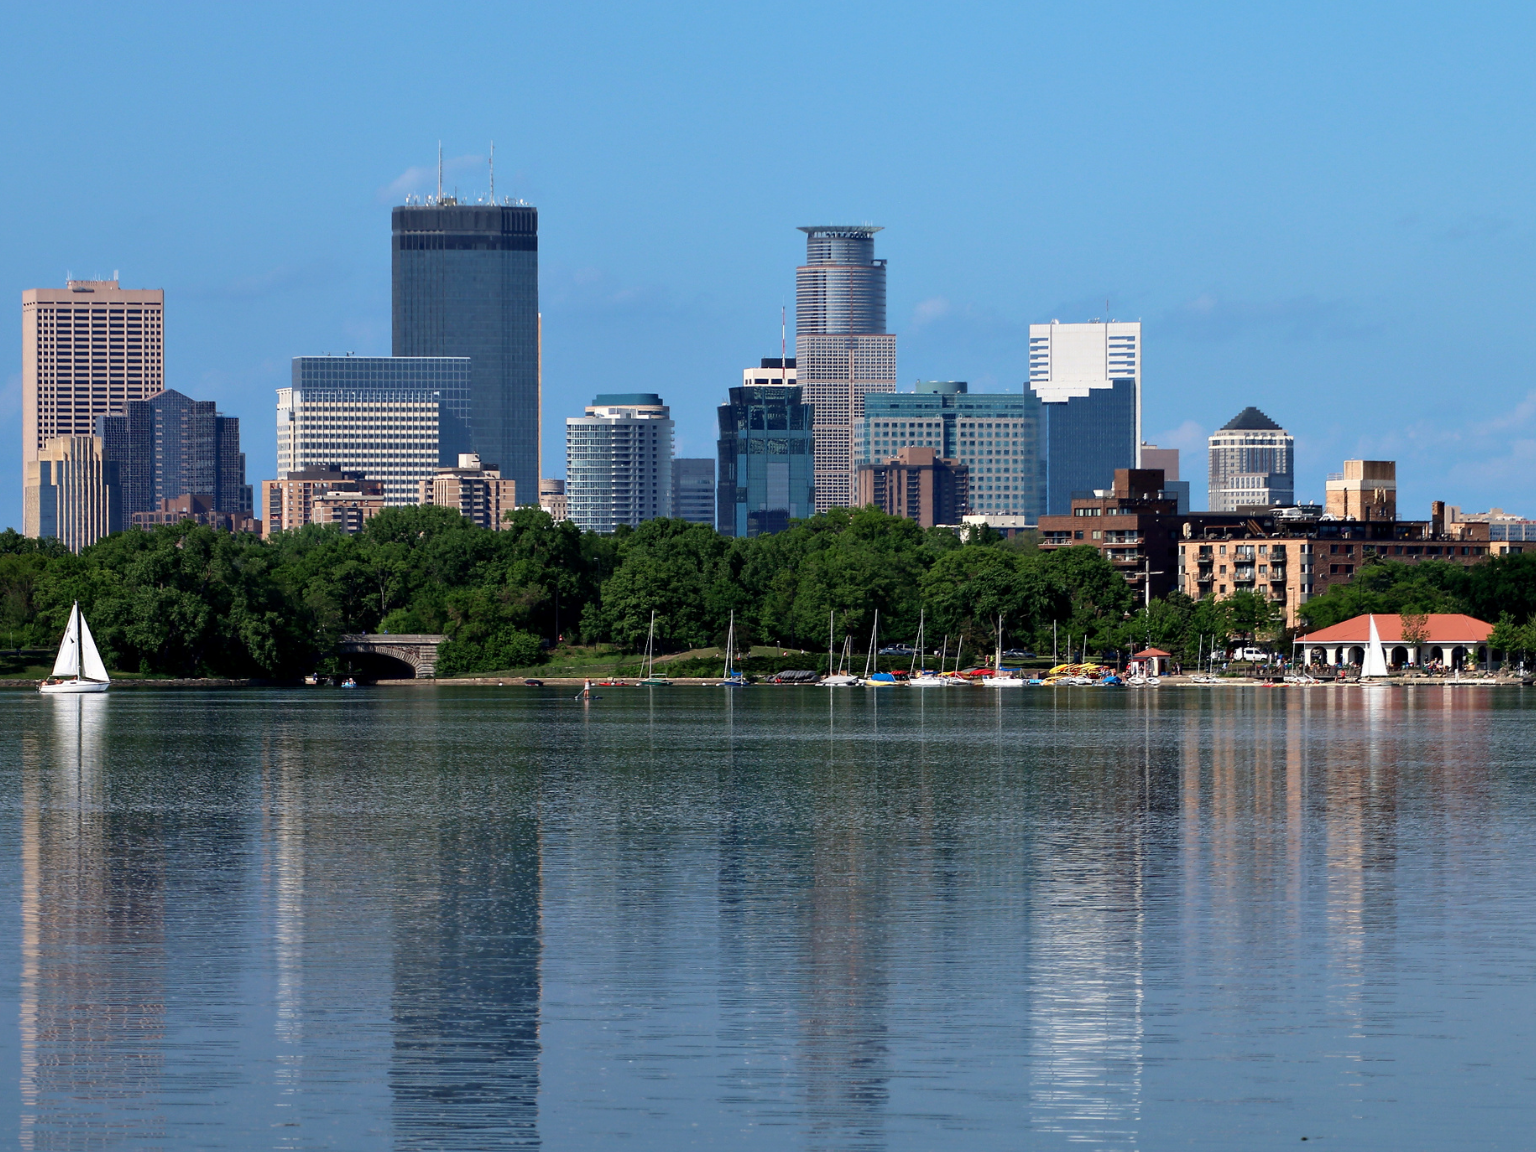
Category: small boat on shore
<point>78,667</point>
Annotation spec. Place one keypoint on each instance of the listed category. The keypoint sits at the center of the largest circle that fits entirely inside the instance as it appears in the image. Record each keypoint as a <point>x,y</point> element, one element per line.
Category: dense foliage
<point>187,600</point>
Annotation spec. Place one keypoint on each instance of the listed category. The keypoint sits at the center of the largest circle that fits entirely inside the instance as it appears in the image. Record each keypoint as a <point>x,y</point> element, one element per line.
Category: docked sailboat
<point>78,667</point>
<point>731,678</point>
<point>999,678</point>
<point>876,678</point>
<point>837,678</point>
<point>919,677</point>
<point>1375,658</point>
<point>651,679</point>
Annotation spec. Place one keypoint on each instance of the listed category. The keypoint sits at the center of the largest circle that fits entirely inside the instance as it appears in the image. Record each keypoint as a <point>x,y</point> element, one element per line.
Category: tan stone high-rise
<point>842,350</point>
<point>70,491</point>
<point>86,350</point>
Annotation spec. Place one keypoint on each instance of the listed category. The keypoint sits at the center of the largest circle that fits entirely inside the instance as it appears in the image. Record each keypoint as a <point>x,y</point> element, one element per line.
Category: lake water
<point>780,918</point>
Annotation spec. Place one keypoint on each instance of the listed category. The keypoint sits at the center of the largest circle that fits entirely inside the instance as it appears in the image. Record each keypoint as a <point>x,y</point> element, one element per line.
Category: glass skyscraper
<point>397,419</point>
<point>466,283</point>
<point>766,459</point>
<point>996,435</point>
<point>171,445</point>
<point>1088,378</point>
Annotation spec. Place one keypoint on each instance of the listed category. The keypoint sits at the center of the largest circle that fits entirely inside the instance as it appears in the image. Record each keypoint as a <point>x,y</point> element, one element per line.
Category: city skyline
<point>1307,214</point>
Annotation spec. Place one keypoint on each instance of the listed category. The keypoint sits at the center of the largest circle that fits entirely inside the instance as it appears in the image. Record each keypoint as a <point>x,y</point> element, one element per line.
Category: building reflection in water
<point>1293,802</point>
<point>464,1071</point>
<point>1092,856</point>
<point>92,976</point>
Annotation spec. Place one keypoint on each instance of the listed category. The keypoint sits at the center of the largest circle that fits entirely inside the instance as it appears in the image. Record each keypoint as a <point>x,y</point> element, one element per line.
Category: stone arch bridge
<point>416,651</point>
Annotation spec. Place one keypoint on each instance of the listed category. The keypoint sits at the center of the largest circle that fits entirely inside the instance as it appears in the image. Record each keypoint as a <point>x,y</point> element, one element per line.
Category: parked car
<point>1252,655</point>
<point>898,650</point>
<point>1018,654</point>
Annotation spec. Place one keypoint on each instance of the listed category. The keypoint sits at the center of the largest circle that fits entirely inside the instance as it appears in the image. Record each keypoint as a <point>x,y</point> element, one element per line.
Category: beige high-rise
<point>86,350</point>
<point>70,491</point>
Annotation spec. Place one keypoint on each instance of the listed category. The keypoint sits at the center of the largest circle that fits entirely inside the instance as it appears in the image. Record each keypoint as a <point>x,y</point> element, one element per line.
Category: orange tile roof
<point>1440,628</point>
<point>1150,652</point>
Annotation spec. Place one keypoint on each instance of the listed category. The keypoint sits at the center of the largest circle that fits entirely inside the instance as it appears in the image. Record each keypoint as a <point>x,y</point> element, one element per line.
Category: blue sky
<point>1322,210</point>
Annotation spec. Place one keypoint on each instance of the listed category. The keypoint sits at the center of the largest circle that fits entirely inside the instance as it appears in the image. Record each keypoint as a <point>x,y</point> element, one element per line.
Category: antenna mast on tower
<point>439,171</point>
<point>493,171</point>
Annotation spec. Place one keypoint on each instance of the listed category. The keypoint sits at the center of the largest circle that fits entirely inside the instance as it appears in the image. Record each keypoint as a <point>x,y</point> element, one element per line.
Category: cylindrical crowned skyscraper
<point>466,283</point>
<point>841,347</point>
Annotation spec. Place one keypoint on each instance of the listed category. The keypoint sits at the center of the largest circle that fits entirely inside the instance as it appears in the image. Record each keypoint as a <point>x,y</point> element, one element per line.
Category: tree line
<point>186,600</point>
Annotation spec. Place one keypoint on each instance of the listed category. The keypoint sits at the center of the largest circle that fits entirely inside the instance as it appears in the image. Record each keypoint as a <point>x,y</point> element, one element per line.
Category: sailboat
<point>1375,655</point>
<point>876,679</point>
<point>730,679</point>
<point>651,679</point>
<point>922,677</point>
<point>838,678</point>
<point>998,679</point>
<point>77,658</point>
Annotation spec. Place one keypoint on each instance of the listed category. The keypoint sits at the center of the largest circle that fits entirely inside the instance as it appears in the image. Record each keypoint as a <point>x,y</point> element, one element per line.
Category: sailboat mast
<point>79,645</point>
<point>921,615</point>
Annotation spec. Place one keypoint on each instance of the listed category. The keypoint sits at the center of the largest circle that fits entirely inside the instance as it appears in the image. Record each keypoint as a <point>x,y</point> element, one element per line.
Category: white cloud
<point>1187,437</point>
<point>418,180</point>
<point>929,310</point>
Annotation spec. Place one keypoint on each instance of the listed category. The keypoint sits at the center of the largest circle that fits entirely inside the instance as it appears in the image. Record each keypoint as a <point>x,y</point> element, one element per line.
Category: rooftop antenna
<point>439,171</point>
<point>783,345</point>
<point>493,171</point>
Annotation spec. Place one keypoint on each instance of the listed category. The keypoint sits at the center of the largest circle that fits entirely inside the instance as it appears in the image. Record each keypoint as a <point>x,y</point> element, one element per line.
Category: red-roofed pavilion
<point>1449,638</point>
<point>1154,661</point>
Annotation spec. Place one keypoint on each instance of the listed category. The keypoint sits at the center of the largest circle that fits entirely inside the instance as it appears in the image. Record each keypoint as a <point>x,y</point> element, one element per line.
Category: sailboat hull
<point>71,688</point>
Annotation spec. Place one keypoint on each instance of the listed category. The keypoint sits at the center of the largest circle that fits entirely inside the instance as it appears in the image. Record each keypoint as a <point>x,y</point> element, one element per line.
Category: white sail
<point>1375,655</point>
<point>91,666</point>
<point>68,662</point>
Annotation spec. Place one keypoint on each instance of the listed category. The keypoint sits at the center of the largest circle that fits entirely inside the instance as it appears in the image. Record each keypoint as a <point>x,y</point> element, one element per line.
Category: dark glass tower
<point>170,446</point>
<point>466,283</point>
<point>766,456</point>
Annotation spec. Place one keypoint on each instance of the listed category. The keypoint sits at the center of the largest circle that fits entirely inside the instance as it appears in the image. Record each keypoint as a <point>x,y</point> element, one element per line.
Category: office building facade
<point>916,484</point>
<point>171,446</point>
<point>618,462</point>
<point>996,436</point>
<point>1253,464</point>
<point>693,490</point>
<point>319,495</point>
<point>480,494</point>
<point>465,281</point>
<point>842,349</point>
<point>396,419</point>
<point>87,349</point>
<point>1088,379</point>
<point>70,491</point>
<point>766,458</point>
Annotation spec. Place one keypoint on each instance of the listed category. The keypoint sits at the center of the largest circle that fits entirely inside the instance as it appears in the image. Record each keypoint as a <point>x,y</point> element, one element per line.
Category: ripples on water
<point>784,918</point>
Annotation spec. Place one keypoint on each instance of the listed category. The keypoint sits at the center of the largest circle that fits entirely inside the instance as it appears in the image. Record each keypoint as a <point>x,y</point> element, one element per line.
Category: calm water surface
<point>781,918</point>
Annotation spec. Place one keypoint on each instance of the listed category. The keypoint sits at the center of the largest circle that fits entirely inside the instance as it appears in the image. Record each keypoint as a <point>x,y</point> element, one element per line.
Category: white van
<point>1253,655</point>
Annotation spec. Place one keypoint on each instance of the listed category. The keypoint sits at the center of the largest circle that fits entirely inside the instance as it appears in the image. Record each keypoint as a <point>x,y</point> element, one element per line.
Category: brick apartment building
<point>1286,555</point>
<point>917,484</point>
